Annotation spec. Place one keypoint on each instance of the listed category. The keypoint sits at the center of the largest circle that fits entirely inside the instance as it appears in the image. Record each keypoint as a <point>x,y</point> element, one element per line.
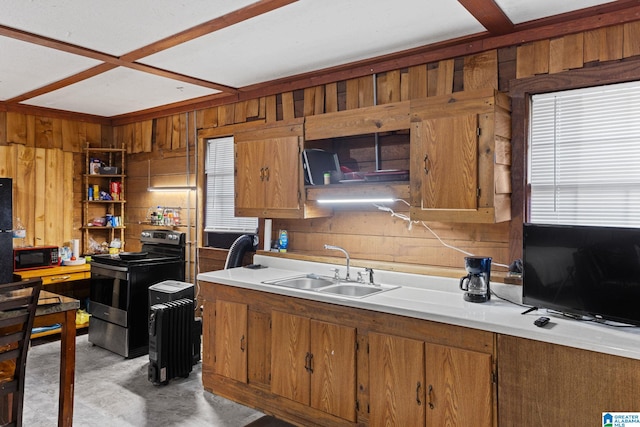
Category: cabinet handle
<point>426,168</point>
<point>266,170</point>
<point>60,278</point>
<point>308,362</point>
<point>418,387</point>
<point>261,174</point>
<point>431,406</point>
<point>242,344</point>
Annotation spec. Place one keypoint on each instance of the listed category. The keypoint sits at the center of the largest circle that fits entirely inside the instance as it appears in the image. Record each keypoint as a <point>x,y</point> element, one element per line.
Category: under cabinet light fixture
<point>167,188</point>
<point>354,201</point>
<point>173,188</point>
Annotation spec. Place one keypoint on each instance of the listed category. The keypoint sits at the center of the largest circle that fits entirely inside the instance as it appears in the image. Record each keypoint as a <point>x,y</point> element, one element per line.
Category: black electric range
<point>119,296</point>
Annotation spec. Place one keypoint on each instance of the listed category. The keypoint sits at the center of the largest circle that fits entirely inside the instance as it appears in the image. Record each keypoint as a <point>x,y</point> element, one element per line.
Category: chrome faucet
<point>338,248</point>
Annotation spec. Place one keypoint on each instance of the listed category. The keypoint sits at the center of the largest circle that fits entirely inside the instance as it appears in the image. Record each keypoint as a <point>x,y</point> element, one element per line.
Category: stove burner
<point>118,261</point>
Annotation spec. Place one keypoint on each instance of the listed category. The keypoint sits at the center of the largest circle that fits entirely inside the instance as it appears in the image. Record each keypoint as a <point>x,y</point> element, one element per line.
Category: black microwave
<point>33,257</point>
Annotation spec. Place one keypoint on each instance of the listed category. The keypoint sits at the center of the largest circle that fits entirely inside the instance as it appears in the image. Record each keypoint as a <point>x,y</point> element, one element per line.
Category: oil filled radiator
<point>174,332</point>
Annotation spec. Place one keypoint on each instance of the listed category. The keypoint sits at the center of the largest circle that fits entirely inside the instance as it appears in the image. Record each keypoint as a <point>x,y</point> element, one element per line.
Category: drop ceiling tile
<point>119,91</point>
<point>25,67</point>
<point>523,11</point>
<point>114,27</point>
<point>311,35</point>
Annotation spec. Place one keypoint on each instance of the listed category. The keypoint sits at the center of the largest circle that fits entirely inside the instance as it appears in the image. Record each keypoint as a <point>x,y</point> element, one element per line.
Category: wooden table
<point>52,309</point>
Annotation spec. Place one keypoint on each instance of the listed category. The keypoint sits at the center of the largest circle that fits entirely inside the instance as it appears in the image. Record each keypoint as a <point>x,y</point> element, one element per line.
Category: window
<point>584,156</point>
<point>219,212</point>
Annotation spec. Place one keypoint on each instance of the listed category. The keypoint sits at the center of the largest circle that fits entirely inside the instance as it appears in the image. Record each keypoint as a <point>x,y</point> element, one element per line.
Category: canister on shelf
<point>96,192</point>
<point>114,187</point>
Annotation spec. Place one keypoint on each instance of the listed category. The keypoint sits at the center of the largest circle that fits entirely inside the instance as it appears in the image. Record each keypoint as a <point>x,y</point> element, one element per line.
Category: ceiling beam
<point>626,11</point>
<point>129,60</point>
<point>237,16</point>
<point>489,14</point>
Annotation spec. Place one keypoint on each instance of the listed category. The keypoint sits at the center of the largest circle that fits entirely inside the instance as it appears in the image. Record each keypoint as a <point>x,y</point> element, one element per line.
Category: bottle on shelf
<point>20,232</point>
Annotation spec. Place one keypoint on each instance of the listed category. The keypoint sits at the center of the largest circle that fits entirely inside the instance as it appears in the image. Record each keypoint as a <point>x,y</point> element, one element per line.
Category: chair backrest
<point>18,303</point>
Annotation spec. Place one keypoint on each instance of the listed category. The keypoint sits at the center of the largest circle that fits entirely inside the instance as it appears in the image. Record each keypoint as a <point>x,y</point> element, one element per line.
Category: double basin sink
<point>329,285</point>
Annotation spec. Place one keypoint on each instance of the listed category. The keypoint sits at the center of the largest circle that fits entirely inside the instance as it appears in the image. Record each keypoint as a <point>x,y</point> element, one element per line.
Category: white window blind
<point>219,215</point>
<point>584,156</point>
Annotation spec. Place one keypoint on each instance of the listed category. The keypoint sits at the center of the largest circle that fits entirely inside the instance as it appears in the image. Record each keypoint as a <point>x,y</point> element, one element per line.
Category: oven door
<point>108,293</point>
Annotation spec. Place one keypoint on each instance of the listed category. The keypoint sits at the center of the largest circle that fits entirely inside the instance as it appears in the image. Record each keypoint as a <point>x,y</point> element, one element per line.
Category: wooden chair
<point>18,302</point>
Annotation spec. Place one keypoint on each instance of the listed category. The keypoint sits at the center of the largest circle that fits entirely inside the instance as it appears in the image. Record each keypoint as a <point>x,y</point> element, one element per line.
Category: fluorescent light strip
<point>172,188</point>
<point>353,201</point>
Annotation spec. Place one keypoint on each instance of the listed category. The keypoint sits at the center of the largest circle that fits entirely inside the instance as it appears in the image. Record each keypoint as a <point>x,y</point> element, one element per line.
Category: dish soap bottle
<point>283,240</point>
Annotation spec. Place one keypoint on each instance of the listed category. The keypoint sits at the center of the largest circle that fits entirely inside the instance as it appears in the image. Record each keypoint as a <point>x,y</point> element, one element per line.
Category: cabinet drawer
<point>65,277</point>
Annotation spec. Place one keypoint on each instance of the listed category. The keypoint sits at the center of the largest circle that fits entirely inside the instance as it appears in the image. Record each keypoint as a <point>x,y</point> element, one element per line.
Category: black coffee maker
<point>476,283</point>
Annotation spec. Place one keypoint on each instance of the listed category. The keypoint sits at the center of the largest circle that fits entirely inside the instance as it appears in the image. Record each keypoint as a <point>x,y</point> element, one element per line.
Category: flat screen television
<point>583,271</point>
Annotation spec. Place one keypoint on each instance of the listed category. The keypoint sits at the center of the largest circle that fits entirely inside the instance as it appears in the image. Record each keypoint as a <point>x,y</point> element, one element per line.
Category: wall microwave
<point>35,257</point>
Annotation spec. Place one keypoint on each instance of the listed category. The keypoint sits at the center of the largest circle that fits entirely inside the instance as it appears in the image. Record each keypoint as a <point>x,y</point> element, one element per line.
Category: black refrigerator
<point>6,231</point>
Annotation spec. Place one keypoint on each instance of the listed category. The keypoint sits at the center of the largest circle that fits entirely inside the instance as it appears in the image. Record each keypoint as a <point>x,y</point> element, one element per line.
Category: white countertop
<point>439,299</point>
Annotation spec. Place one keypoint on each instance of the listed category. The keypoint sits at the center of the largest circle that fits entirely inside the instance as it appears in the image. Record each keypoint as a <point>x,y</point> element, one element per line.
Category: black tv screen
<point>584,271</point>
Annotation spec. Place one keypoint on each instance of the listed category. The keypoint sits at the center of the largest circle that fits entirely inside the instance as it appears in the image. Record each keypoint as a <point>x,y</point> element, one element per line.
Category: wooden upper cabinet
<point>461,157</point>
<point>268,173</point>
<point>360,121</point>
<point>448,149</point>
<point>231,340</point>
<point>265,172</point>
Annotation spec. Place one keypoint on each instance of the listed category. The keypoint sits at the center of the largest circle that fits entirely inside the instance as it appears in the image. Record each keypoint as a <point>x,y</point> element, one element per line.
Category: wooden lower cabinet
<point>459,387</point>
<point>414,383</point>
<point>396,367</point>
<point>548,384</point>
<point>313,363</point>
<point>231,340</point>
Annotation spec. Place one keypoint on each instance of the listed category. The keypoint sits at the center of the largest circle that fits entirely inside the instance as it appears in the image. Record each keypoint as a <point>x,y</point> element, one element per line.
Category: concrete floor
<point>113,391</point>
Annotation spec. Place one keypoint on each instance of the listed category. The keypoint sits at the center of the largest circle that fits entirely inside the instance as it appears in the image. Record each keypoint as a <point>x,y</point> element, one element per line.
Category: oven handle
<point>109,271</point>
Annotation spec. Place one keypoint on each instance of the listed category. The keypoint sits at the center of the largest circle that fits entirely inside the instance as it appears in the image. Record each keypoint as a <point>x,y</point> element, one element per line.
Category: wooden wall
<point>44,157</point>
<point>161,152</point>
<point>43,154</point>
<point>373,235</point>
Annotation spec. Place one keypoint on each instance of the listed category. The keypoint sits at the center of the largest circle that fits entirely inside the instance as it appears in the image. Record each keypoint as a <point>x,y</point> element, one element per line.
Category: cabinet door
<point>290,356</point>
<point>444,164</point>
<point>333,374</point>
<point>396,381</point>
<point>459,387</point>
<point>282,170</point>
<point>268,174</point>
<point>250,174</point>
<point>231,340</point>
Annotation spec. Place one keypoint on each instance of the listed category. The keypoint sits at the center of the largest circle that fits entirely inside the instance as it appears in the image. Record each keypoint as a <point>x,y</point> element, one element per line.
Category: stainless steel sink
<point>355,290</point>
<point>309,281</point>
<point>329,285</point>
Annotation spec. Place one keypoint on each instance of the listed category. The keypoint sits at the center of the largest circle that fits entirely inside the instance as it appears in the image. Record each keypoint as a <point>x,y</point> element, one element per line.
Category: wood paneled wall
<point>161,152</point>
<point>44,157</point>
<point>375,235</point>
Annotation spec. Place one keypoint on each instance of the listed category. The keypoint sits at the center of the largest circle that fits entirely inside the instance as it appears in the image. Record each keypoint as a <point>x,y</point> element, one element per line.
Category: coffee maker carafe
<point>476,283</point>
